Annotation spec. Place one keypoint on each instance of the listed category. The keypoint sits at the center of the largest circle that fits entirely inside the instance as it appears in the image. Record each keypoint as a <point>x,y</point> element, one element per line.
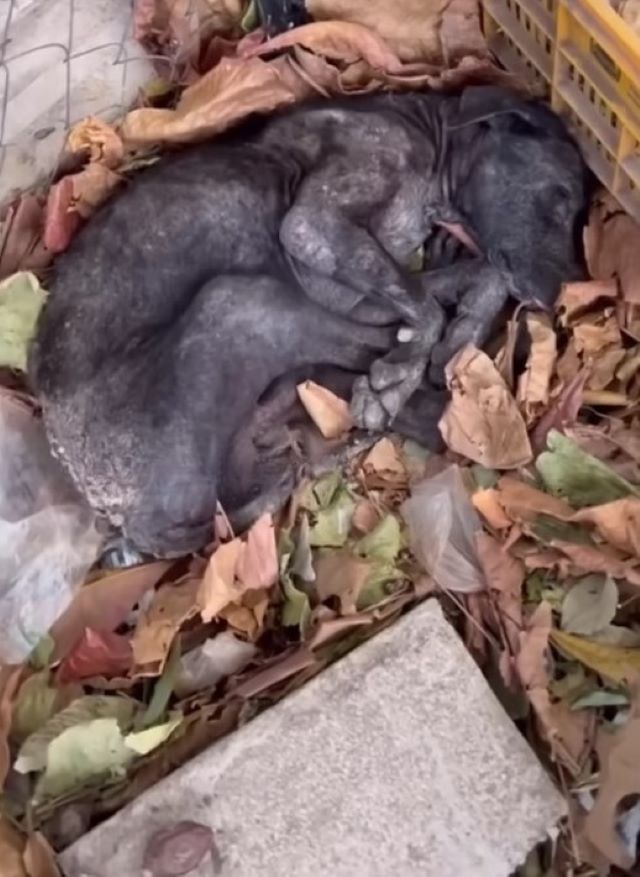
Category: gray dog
<point>280,248</point>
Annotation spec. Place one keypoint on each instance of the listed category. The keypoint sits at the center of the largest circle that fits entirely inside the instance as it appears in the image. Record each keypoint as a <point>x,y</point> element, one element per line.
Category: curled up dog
<point>278,249</point>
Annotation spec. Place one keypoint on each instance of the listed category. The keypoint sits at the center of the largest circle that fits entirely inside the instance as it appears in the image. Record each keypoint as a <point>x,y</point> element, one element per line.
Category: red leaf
<point>97,653</point>
<point>61,221</point>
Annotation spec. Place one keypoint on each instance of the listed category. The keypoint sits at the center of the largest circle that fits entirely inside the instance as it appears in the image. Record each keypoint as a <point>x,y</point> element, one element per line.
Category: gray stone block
<point>398,760</point>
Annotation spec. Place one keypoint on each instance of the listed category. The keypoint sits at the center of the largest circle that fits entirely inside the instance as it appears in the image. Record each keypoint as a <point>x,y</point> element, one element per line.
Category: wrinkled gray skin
<point>227,267</point>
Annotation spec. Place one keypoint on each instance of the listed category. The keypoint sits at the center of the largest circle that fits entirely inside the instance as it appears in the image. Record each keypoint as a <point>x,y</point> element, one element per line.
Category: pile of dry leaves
<point>528,528</point>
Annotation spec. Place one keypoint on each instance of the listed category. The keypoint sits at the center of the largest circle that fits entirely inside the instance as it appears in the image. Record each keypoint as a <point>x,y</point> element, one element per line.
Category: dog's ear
<point>479,103</point>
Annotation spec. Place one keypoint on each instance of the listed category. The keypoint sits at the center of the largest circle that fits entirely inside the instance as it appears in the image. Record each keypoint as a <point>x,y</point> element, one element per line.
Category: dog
<point>278,248</point>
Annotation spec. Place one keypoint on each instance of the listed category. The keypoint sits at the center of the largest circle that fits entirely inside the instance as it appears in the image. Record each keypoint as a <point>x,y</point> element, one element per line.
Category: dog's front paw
<point>366,408</point>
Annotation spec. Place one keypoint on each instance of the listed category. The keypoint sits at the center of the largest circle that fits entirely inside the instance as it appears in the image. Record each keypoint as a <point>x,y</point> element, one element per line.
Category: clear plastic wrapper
<point>442,529</point>
<point>48,536</point>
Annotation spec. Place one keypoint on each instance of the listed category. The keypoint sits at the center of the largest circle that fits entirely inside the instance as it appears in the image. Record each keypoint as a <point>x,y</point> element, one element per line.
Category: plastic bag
<point>442,527</point>
<point>48,537</point>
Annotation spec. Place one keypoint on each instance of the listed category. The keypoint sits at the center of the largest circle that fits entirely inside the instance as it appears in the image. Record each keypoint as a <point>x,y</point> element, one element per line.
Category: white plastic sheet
<point>442,527</point>
<point>48,537</point>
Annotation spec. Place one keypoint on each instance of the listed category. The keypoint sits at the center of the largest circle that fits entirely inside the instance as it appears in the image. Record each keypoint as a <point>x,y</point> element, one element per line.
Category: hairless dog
<point>278,248</point>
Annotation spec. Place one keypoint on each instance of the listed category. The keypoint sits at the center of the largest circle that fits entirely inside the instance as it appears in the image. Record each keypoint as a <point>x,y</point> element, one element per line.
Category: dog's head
<point>525,190</point>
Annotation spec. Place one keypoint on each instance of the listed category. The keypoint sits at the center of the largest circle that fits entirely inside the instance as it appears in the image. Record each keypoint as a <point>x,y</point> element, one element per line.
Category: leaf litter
<point>527,528</point>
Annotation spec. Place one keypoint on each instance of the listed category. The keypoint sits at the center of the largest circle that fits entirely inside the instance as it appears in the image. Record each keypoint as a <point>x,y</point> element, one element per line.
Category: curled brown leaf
<point>482,421</point>
<point>233,89</point>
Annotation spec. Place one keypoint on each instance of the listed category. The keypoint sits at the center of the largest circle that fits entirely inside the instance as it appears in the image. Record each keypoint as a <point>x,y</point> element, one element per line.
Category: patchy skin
<point>276,249</point>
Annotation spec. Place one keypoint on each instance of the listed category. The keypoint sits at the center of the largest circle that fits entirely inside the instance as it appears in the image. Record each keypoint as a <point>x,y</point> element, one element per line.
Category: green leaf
<point>322,492</point>
<point>33,754</point>
<point>378,585</point>
<point>589,605</point>
<point>333,523</point>
<point>483,477</point>
<point>163,689</point>
<point>297,609</point>
<point>599,698</point>
<point>143,742</point>
<point>21,298</point>
<point>81,753</point>
<point>35,704</point>
<point>251,18</point>
<point>580,478</point>
<point>547,529</point>
<point>383,542</point>
<point>41,655</point>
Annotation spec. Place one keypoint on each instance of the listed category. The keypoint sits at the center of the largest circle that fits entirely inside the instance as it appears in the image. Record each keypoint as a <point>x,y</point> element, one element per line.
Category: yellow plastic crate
<point>588,59</point>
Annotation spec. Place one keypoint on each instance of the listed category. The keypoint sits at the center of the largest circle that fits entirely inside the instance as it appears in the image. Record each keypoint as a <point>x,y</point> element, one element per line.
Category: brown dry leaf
<point>328,628</point>
<point>91,188</point>
<point>577,298</point>
<point>612,246</point>
<point>39,859</point>
<point>247,618</point>
<point>21,245</point>
<point>594,333</point>
<point>505,575</point>
<point>11,850</point>
<point>384,460</point>
<point>104,604</point>
<point>562,412</point>
<point>409,27</point>
<point>336,40</point>
<point>566,732</point>
<point>365,516</point>
<point>460,32</point>
<point>482,421</point>
<point>589,558</point>
<point>98,140</point>
<point>10,678</point>
<point>340,574</point>
<point>603,367</point>
<point>258,564</point>
<point>233,89</point>
<point>73,198</point>
<point>619,758</point>
<point>569,363</point>
<point>329,412</point>
<point>487,502</point>
<point>617,522</point>
<point>522,502</point>
<point>172,605</point>
<point>217,588</point>
<point>535,382</point>
<point>285,666</point>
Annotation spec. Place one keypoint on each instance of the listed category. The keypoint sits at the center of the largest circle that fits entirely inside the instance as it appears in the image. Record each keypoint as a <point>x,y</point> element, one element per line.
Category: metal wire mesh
<point>61,60</point>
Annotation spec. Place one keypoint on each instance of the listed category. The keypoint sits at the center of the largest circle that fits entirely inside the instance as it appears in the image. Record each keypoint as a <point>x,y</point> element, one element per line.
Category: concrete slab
<point>60,60</point>
<point>398,760</point>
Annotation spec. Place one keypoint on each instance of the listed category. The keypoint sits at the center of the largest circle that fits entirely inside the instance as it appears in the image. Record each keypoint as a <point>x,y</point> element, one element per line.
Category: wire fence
<point>61,60</point>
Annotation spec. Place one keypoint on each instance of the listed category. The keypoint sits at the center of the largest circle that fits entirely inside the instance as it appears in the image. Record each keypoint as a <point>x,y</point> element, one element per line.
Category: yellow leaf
<point>613,663</point>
